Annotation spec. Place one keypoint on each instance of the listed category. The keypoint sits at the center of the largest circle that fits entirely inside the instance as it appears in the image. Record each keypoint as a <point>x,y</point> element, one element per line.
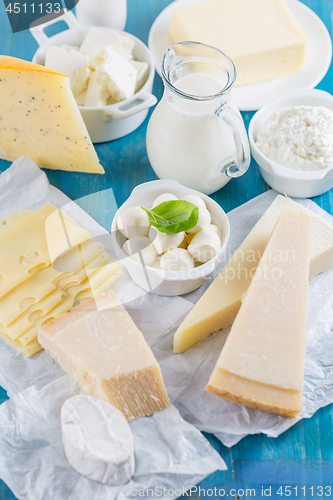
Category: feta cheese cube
<point>97,39</point>
<point>72,64</point>
<point>96,95</point>
<point>117,74</point>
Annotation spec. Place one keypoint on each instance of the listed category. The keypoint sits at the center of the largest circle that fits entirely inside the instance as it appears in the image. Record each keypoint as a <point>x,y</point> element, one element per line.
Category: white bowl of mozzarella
<point>105,120</point>
<point>161,263</point>
<point>285,179</point>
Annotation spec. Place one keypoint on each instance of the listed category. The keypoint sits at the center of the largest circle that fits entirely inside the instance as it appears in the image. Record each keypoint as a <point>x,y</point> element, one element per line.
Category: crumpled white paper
<point>187,374</point>
<point>169,452</point>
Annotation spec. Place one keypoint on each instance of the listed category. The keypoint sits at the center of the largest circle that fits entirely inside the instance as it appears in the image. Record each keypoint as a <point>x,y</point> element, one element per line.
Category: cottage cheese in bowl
<point>298,137</point>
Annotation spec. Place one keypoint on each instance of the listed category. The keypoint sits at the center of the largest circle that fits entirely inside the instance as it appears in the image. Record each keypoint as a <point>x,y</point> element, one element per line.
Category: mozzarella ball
<point>203,221</point>
<point>196,200</point>
<point>217,230</point>
<point>163,241</point>
<point>204,245</point>
<point>176,259</point>
<point>133,221</point>
<point>164,197</point>
<point>140,246</point>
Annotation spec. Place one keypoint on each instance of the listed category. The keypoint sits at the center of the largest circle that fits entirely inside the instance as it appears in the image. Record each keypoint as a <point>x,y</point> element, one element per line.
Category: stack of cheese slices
<point>262,292</point>
<point>47,264</point>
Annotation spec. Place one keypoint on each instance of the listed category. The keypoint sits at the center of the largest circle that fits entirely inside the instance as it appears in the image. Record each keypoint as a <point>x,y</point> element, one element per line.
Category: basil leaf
<point>173,216</point>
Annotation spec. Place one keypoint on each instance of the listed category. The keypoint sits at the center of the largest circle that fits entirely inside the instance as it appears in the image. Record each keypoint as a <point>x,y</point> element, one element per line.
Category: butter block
<point>262,362</point>
<point>106,354</point>
<point>40,119</point>
<point>219,305</point>
<point>262,37</point>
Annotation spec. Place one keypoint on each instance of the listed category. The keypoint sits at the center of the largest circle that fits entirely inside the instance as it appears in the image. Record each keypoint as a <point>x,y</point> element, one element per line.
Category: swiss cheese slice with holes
<point>33,243</point>
<point>40,119</point>
<point>262,361</point>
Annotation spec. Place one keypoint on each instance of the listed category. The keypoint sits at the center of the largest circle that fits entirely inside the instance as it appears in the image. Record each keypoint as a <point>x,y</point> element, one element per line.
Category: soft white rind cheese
<point>97,440</point>
<point>299,137</point>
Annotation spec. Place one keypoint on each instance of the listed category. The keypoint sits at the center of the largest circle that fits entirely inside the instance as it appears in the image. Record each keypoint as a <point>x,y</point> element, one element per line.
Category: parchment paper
<point>185,375</point>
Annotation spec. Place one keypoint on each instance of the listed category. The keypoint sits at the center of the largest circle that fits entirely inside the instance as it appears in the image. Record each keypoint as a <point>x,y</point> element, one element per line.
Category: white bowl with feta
<point>111,74</point>
<point>162,263</point>
<point>291,139</point>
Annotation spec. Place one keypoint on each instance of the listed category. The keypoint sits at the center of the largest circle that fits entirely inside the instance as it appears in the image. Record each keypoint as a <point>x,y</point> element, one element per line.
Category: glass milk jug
<point>195,135</point>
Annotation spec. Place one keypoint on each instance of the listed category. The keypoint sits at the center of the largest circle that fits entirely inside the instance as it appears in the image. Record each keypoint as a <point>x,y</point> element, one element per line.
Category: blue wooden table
<point>302,456</point>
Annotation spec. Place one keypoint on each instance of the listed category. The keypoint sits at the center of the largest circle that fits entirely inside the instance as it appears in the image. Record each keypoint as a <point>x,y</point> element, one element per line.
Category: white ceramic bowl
<point>109,122</point>
<point>296,183</point>
<point>169,282</point>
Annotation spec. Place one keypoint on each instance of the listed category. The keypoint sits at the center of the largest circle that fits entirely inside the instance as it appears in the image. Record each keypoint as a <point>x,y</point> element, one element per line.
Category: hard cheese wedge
<point>40,119</point>
<point>262,362</point>
<point>262,37</point>
<point>107,356</point>
<point>219,305</point>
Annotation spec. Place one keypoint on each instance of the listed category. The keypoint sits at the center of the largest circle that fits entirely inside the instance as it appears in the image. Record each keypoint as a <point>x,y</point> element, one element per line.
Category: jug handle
<point>236,125</point>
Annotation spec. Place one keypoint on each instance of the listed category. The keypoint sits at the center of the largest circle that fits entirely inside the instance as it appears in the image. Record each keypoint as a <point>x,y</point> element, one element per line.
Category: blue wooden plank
<point>302,455</point>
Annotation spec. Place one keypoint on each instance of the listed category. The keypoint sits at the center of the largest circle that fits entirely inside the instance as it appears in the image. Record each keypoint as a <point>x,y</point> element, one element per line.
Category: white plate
<point>253,97</point>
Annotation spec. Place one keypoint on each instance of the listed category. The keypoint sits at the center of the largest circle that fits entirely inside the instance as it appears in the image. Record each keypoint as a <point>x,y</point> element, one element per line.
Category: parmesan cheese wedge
<point>40,119</point>
<point>98,344</point>
<point>262,362</point>
<point>262,37</point>
<point>219,305</point>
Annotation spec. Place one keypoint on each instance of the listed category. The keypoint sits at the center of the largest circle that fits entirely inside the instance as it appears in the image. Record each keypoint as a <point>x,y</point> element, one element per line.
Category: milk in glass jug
<point>196,136</point>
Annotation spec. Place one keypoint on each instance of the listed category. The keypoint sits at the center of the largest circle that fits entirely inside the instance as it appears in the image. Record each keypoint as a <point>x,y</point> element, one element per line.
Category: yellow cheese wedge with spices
<point>39,118</point>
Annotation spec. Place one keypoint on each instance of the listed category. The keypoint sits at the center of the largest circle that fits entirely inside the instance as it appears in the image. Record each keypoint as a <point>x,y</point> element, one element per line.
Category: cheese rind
<point>262,362</point>
<point>219,305</point>
<point>40,119</point>
<point>107,356</point>
<point>262,37</point>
